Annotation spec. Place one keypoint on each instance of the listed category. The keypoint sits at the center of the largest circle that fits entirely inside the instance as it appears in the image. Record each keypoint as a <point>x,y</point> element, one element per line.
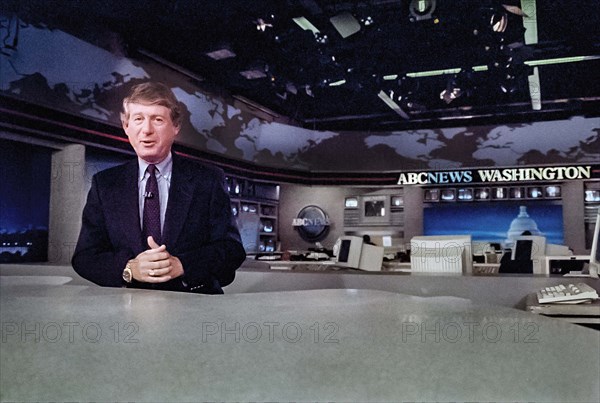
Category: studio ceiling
<point>408,52</point>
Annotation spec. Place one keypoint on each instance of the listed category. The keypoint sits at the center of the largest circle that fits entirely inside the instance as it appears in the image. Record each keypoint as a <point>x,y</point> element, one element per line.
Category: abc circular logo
<point>312,223</point>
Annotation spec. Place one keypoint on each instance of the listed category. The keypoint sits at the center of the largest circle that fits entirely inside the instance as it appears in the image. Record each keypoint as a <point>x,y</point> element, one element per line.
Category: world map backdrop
<point>52,68</point>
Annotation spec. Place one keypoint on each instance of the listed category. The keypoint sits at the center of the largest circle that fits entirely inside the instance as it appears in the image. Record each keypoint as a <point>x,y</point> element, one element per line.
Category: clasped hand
<point>156,264</point>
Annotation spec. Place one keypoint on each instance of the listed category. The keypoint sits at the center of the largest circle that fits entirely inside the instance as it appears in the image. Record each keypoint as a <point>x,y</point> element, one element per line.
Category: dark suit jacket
<point>199,228</point>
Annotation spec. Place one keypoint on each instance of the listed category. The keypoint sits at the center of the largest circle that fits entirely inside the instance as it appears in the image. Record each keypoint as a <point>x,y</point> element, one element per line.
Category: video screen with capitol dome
<point>496,221</point>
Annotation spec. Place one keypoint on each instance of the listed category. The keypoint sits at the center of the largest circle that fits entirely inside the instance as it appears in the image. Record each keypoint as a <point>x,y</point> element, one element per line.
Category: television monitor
<point>595,255</point>
<point>491,221</point>
<point>448,194</point>
<point>465,194</point>
<point>517,193</point>
<point>592,195</point>
<point>397,201</point>
<point>535,192</point>
<point>482,194</point>
<point>375,209</point>
<point>351,202</point>
<point>552,191</point>
<point>441,254</point>
<point>500,193</point>
<point>529,247</point>
<point>432,195</point>
<point>352,251</point>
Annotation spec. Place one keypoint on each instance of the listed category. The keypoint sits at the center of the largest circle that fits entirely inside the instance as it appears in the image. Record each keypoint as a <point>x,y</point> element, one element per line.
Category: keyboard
<point>567,294</point>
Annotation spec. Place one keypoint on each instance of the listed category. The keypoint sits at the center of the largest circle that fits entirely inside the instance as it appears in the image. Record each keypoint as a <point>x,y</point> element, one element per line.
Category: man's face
<point>151,131</point>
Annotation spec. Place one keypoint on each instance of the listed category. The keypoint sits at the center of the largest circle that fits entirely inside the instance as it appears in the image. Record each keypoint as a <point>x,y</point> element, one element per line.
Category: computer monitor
<point>352,251</point>
<point>530,248</point>
<point>595,255</point>
<point>562,264</point>
<point>347,251</point>
<point>558,250</point>
<point>441,254</point>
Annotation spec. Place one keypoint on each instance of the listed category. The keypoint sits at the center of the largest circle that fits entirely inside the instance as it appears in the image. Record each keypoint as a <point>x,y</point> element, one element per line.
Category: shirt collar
<point>165,167</point>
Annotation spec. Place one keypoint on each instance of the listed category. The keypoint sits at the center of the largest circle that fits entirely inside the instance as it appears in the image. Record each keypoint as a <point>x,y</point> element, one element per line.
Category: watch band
<point>127,274</point>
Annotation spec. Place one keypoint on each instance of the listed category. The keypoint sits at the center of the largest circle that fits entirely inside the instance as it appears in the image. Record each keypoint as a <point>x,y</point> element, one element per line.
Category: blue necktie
<point>151,223</point>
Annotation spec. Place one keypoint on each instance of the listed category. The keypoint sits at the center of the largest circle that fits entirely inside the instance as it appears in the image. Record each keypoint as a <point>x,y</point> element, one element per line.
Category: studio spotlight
<point>321,38</point>
<point>421,9</point>
<point>367,21</point>
<point>262,25</point>
<point>499,22</point>
<point>450,94</point>
<point>509,84</point>
<point>454,89</point>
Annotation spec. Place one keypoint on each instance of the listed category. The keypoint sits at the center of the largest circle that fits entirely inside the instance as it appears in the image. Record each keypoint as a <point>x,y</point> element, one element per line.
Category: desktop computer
<point>532,254</point>
<point>352,251</point>
<point>441,254</point>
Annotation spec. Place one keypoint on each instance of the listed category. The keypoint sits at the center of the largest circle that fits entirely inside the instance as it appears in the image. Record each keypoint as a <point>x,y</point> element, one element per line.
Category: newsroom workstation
<point>416,228</point>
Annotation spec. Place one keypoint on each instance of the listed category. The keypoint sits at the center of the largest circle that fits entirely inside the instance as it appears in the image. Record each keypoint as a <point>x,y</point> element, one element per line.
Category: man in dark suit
<point>161,221</point>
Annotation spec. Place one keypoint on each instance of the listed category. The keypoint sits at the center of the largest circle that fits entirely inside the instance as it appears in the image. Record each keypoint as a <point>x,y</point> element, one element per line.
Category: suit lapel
<point>127,196</point>
<point>180,197</point>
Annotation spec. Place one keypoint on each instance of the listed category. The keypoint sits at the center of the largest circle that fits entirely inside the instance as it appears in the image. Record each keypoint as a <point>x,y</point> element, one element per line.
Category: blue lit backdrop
<point>491,221</point>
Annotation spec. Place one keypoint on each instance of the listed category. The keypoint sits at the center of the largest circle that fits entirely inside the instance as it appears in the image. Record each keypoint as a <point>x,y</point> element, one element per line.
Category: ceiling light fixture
<point>305,24</point>
<point>345,24</point>
<point>392,104</point>
<point>450,94</point>
<point>220,54</point>
<point>253,74</point>
<point>457,86</point>
<point>534,90</point>
<point>431,73</point>
<point>337,83</point>
<point>532,63</point>
<point>560,60</point>
<point>529,21</point>
<point>421,9</point>
<point>499,22</point>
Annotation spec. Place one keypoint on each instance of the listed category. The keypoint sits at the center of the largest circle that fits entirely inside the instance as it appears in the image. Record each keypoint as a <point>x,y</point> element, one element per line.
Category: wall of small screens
<point>496,193</point>
<point>377,209</point>
<point>255,207</point>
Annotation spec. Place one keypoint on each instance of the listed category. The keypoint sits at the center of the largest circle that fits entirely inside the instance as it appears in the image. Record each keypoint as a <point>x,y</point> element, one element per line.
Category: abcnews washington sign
<point>494,175</point>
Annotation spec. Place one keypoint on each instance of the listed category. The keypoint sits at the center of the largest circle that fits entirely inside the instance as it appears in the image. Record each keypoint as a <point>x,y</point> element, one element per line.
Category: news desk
<point>63,342</point>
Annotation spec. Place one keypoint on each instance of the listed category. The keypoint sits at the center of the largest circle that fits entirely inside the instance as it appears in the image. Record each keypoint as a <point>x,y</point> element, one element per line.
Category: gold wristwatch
<point>127,275</point>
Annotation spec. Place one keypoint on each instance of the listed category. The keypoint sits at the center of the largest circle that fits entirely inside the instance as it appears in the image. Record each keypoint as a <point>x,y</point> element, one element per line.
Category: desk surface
<point>74,342</point>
